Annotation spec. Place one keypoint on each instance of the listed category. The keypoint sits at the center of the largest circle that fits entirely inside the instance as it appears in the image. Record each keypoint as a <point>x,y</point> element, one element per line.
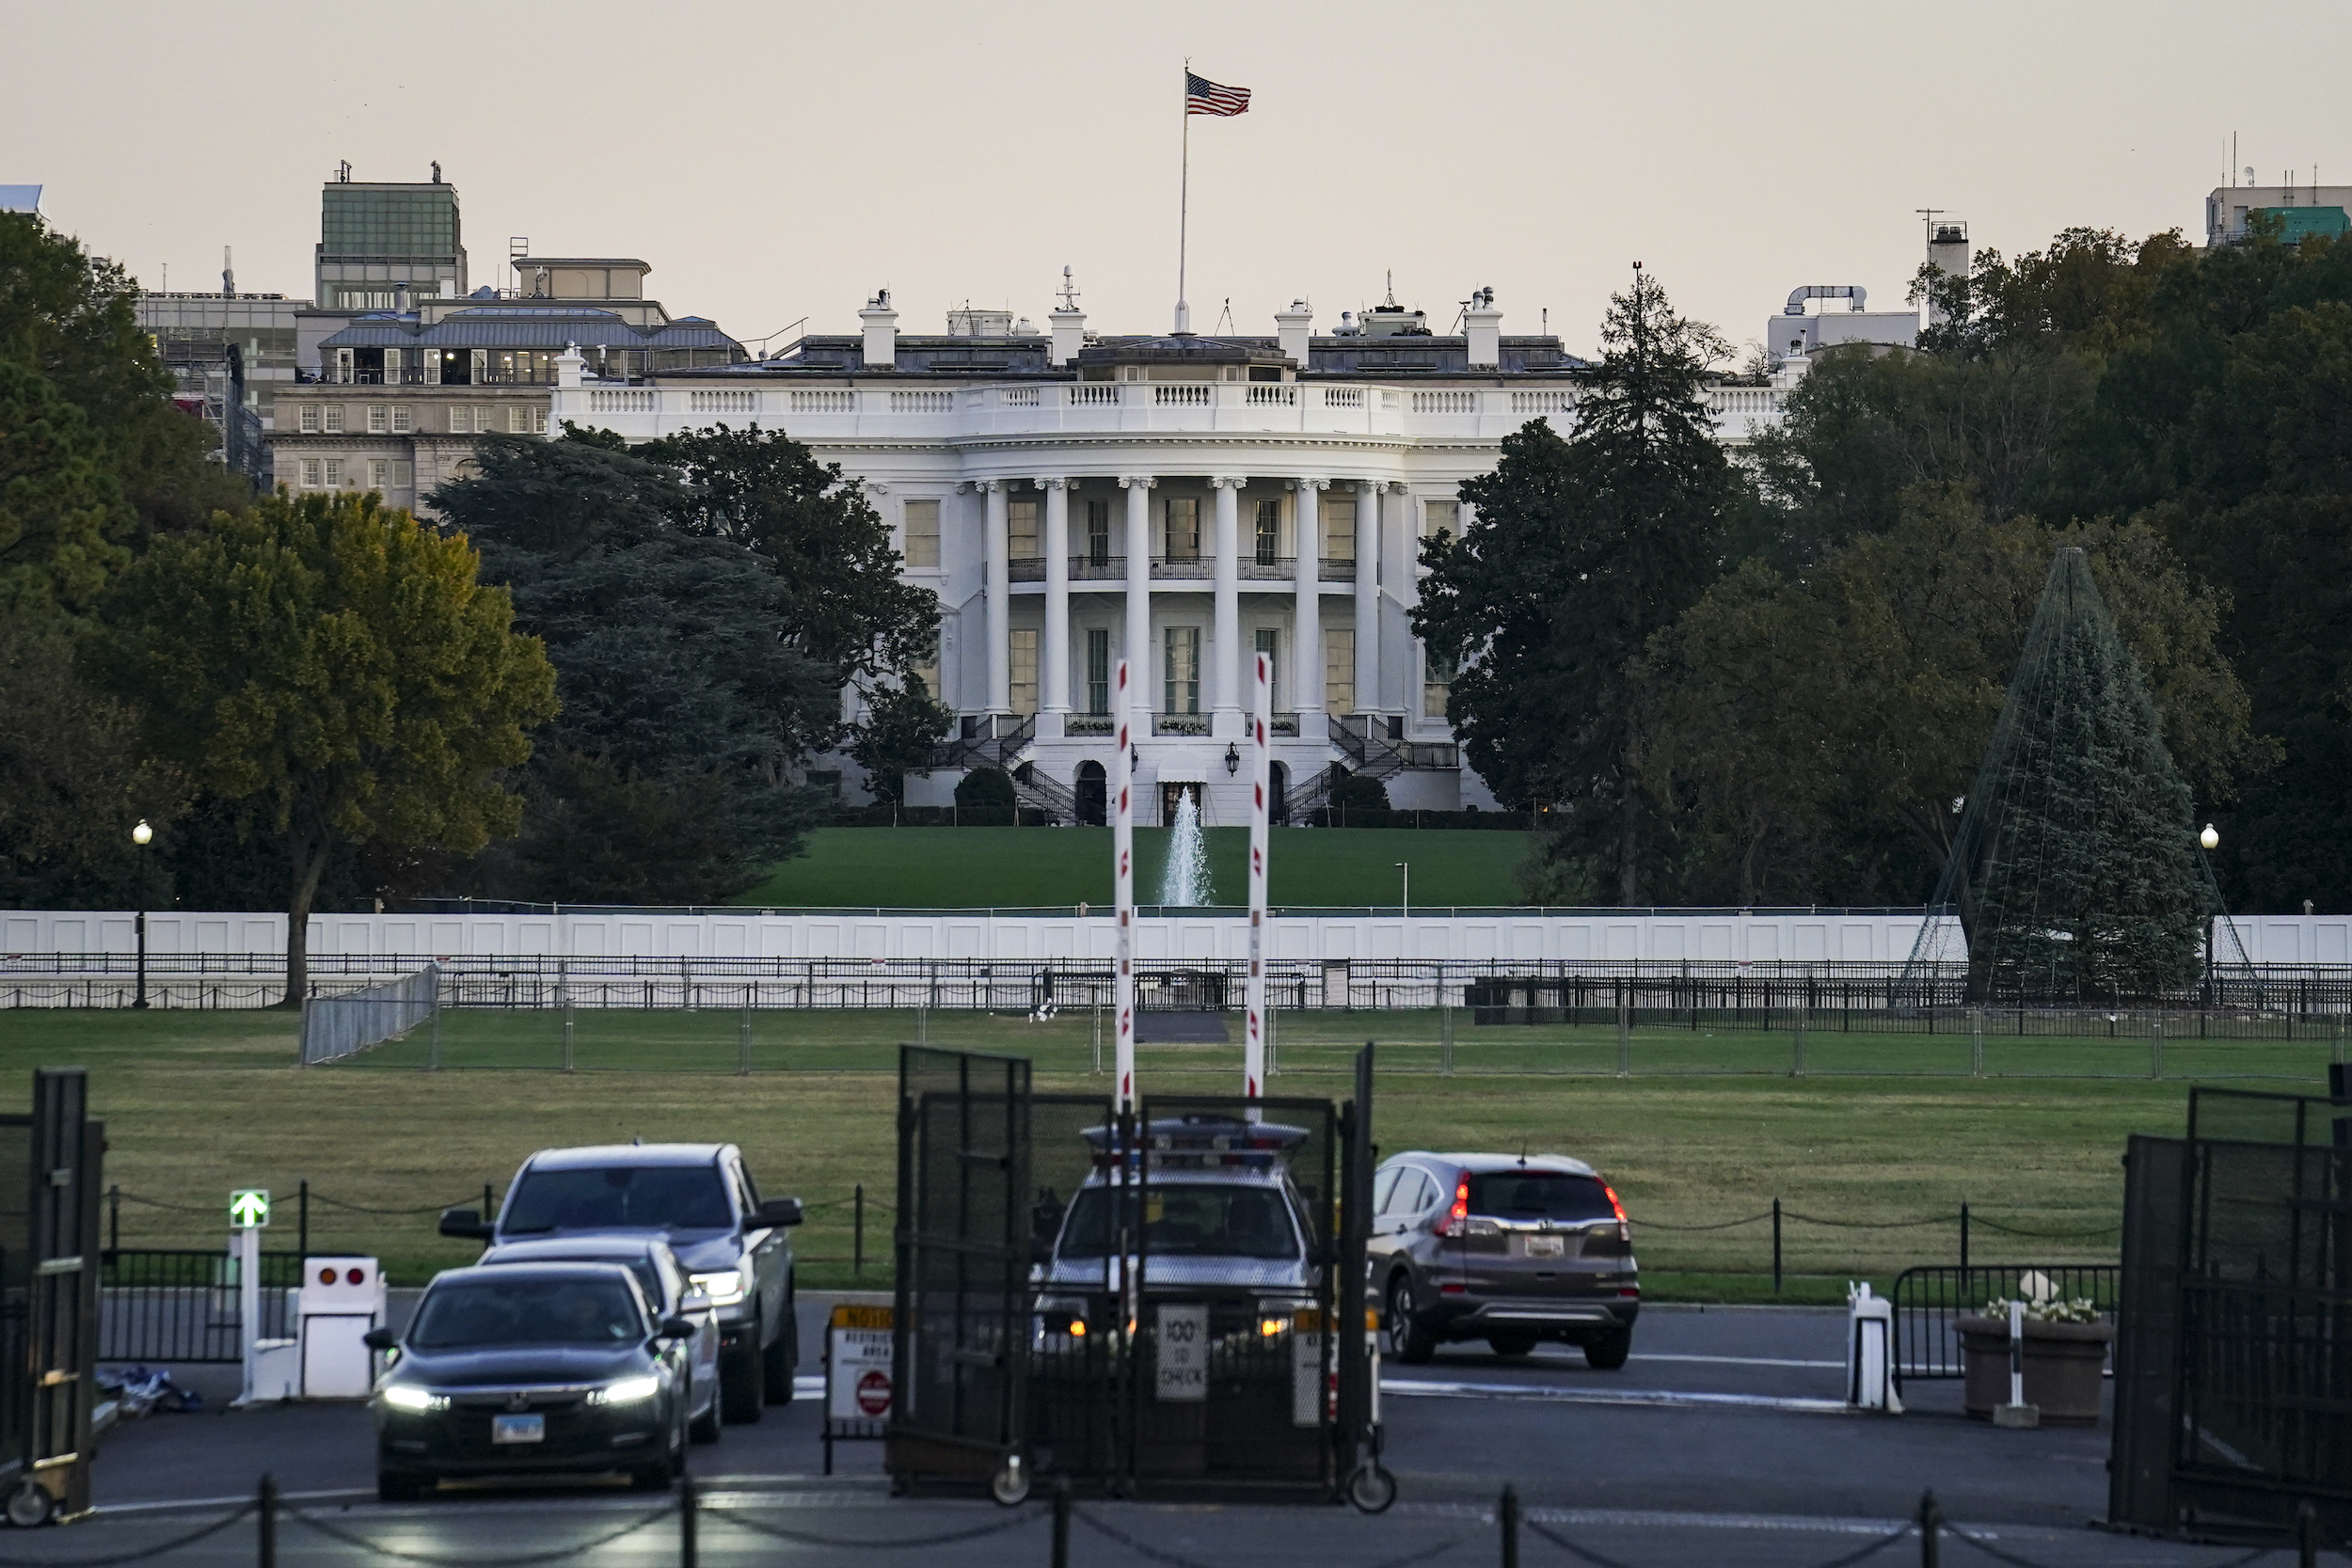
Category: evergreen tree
<point>2089,887</point>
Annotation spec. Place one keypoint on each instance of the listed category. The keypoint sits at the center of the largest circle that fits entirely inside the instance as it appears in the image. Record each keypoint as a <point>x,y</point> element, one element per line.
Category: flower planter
<point>2065,1364</point>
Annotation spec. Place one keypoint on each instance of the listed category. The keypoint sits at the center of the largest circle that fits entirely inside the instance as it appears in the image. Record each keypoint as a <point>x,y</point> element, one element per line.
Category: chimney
<point>568,366</point>
<point>1949,252</point>
<point>227,275</point>
<point>1298,328</point>
<point>1070,334</point>
<point>1482,324</point>
<point>881,332</point>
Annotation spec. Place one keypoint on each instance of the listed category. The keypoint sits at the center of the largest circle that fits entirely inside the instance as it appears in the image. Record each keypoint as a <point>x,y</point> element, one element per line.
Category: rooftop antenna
<point>1225,321</point>
<point>342,172</point>
<point>1928,216</point>
<point>1390,304</point>
<point>1069,291</point>
<point>437,171</point>
<point>228,274</point>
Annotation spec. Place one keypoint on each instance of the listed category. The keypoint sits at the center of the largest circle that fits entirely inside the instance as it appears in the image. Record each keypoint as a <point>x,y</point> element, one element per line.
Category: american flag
<point>1204,97</point>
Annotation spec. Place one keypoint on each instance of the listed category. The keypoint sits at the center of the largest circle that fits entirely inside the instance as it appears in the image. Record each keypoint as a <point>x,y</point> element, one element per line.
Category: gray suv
<point>735,1247</point>
<point>1506,1248</point>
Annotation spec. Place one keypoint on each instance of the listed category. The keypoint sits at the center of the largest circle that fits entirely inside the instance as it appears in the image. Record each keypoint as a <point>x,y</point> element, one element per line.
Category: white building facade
<point>1182,503</point>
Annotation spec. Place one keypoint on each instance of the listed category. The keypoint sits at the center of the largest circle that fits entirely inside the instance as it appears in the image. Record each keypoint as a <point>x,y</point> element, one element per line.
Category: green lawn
<point>197,1103</point>
<point>977,867</point>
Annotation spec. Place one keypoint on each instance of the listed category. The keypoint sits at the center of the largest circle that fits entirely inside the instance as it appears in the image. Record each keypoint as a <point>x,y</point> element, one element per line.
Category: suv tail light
<point>1457,1221</point>
<point>1625,1229</point>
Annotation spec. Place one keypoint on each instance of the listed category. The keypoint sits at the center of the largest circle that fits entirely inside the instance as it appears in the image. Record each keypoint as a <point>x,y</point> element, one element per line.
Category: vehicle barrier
<point>1928,1301</point>
<point>335,1026</point>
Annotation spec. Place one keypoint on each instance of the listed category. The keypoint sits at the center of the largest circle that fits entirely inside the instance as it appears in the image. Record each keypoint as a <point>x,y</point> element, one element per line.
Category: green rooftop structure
<point>377,237</point>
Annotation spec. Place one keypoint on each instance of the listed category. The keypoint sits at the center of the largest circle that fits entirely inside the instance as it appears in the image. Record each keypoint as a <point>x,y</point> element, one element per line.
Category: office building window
<point>1440,517</point>
<point>379,473</point>
<point>311,472</point>
<point>402,421</point>
<point>922,548</point>
<point>1269,643</point>
<point>1098,530</point>
<point>1182,530</point>
<point>1339,668</point>
<point>538,421</point>
<point>1269,532</point>
<point>334,418</point>
<point>334,473</point>
<point>460,419</point>
<point>379,419</point>
<point>1023,692</point>
<point>517,421</point>
<point>1436,680</point>
<point>310,419</point>
<point>1021,530</point>
<point>403,474</point>
<point>1099,671</point>
<point>1180,669</point>
<point>1339,529</point>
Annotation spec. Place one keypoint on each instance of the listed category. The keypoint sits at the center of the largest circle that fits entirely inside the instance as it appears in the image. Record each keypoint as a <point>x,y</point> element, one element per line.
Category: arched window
<point>1093,796</point>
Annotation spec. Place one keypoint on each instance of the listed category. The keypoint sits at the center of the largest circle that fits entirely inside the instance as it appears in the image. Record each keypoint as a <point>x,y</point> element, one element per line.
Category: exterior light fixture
<point>2210,839</point>
<point>1232,760</point>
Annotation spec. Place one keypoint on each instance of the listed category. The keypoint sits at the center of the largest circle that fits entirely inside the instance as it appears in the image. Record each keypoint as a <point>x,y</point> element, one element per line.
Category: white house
<point>1182,503</point>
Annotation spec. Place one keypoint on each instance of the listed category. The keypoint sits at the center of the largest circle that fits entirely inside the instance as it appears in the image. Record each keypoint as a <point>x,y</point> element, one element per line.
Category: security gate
<point>49,1257</point>
<point>1190,1320</point>
<point>2233,1359</point>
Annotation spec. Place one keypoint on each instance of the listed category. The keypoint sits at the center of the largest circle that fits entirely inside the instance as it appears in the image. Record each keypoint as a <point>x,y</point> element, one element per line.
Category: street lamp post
<point>1406,866</point>
<point>2207,842</point>
<point>140,835</point>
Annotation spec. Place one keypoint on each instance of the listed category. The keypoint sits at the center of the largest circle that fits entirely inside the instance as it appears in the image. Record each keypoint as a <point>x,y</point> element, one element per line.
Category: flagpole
<point>1184,206</point>
<point>1261,779</point>
<point>1124,897</point>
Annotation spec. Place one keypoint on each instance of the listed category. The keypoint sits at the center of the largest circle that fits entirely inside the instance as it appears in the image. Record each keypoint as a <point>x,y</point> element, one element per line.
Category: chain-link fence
<point>337,1026</point>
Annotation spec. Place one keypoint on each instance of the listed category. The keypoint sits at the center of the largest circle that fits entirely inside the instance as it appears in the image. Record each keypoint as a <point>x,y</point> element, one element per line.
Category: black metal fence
<point>1930,1301</point>
<point>172,1305</point>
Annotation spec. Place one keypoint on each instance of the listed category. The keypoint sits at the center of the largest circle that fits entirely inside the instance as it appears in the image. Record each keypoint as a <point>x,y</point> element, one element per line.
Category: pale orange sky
<point>775,161</point>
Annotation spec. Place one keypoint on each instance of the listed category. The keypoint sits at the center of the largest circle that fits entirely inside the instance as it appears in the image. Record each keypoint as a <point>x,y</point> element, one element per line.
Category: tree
<point>845,606</point>
<point>680,698</point>
<point>1581,549</point>
<point>986,796</point>
<point>62,516</point>
<point>902,726</point>
<point>2090,889</point>
<point>336,667</point>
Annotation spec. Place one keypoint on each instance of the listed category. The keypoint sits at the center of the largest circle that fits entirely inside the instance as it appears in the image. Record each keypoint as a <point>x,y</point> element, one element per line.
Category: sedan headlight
<point>629,1390</point>
<point>724,1288</point>
<point>405,1396</point>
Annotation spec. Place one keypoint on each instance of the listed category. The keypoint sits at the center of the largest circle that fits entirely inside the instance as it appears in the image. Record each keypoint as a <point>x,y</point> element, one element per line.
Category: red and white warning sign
<point>858,1364</point>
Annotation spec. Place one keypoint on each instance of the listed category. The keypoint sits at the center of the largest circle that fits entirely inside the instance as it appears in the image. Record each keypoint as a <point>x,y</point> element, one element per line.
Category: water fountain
<point>1186,878</point>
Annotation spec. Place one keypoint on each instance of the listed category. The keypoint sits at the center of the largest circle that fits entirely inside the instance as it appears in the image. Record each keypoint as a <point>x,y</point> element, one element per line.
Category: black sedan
<point>533,1369</point>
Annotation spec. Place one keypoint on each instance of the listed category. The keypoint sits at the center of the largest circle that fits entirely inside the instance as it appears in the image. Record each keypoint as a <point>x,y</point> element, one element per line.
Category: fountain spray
<point>1123,884</point>
<point>1260,771</point>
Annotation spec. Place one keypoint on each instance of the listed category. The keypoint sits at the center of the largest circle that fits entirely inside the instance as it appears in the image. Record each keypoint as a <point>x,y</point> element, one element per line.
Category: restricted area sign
<point>248,1209</point>
<point>858,1364</point>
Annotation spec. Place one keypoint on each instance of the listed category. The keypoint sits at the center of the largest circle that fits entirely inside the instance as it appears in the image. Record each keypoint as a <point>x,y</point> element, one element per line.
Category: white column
<point>1225,677</point>
<point>1138,490</point>
<point>1054,682</point>
<point>1307,630</point>
<point>999,598</point>
<point>1368,596</point>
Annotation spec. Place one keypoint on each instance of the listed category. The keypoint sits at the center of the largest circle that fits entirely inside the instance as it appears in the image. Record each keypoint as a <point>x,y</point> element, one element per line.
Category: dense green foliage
<point>338,669</point>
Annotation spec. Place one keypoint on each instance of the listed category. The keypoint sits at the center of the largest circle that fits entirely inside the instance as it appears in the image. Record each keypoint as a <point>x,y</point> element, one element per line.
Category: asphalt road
<point>1719,1442</point>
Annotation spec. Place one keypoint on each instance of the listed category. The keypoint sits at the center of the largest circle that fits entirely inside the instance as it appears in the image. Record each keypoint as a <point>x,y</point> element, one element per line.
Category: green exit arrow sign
<point>248,1209</point>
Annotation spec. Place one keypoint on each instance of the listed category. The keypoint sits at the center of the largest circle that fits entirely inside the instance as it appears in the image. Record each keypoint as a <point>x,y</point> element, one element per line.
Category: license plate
<point>519,1429</point>
<point>1545,1246</point>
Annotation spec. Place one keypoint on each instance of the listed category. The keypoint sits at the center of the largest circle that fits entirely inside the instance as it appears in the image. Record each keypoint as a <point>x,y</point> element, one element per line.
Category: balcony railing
<point>1183,567</point>
<point>1270,568</point>
<point>1339,568</point>
<point>1025,568</point>
<point>1098,568</point>
<point>1285,723</point>
<point>1089,723</point>
<point>1180,723</point>
<point>414,375</point>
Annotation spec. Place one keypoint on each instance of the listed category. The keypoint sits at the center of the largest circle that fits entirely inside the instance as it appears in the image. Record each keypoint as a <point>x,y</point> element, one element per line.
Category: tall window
<point>379,418</point>
<point>334,418</point>
<point>311,472</point>
<point>1021,530</point>
<point>1339,529</point>
<point>1269,643</point>
<point>1024,693</point>
<point>1440,517</point>
<point>402,421</point>
<point>1099,671</point>
<point>310,419</point>
<point>379,473</point>
<point>403,474</point>
<point>334,473</point>
<point>1436,680</point>
<point>1180,669</point>
<point>517,421</point>
<point>1098,530</point>
<point>1183,529</point>
<point>461,419</point>
<point>922,533</point>
<point>1269,532</point>
<point>1339,668</point>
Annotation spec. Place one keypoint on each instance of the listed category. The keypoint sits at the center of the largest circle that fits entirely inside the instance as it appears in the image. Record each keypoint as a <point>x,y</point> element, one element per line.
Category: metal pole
<point>1094,1041</point>
<point>266,1532</point>
<point>1260,782</point>
<point>857,1232</point>
<point>743,1042</point>
<point>2156,1047</point>
<point>1976,1043</point>
<point>1800,1048</point>
<point>140,1000</point>
<point>1964,1240</point>
<point>686,1523</point>
<point>302,1218</point>
<point>567,1036</point>
<point>1931,1523</point>
<point>922,1024</point>
<point>1061,1522</point>
<point>1507,1521</point>
<point>1776,1247</point>
<point>2306,1535</point>
<point>114,1217</point>
<point>1445,1022</point>
<point>433,1062</point>
<point>1123,885</point>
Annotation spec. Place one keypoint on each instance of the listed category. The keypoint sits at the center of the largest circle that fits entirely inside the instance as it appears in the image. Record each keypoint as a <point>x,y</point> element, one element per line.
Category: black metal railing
<point>1200,566</point>
<point>1098,568</point>
<point>181,1304</point>
<point>1930,1301</point>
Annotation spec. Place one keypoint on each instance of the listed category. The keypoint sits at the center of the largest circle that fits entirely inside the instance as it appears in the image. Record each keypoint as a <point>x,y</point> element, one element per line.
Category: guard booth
<point>1169,1302</point>
<point>49,1259</point>
<point>2233,1346</point>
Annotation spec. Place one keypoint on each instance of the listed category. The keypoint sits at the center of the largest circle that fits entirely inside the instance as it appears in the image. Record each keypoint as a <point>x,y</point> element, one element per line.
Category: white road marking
<point>1647,1397</point>
<point>1742,1361</point>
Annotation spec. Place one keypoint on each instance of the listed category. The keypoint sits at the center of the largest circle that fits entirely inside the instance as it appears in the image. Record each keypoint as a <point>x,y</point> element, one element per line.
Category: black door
<point>1093,795</point>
